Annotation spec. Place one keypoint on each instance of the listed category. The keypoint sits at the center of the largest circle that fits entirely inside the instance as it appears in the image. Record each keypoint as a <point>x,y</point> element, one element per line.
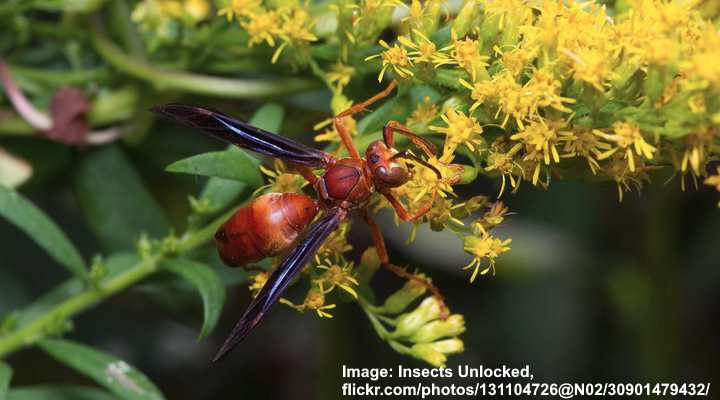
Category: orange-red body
<point>264,228</point>
<point>345,184</point>
<point>272,223</point>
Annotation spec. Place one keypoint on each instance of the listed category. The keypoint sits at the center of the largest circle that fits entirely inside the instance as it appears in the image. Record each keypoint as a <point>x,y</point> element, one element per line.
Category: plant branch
<point>195,83</point>
<point>32,332</point>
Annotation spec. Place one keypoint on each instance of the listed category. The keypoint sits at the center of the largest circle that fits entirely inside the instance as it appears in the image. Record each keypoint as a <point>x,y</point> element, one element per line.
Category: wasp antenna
<point>405,154</point>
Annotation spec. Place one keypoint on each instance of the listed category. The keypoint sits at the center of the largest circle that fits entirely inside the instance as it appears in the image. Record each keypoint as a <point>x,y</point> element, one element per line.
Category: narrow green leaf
<point>114,374</point>
<point>222,192</point>
<point>232,164</point>
<point>115,201</point>
<point>59,392</point>
<point>208,283</point>
<point>5,375</point>
<point>268,117</point>
<point>41,229</point>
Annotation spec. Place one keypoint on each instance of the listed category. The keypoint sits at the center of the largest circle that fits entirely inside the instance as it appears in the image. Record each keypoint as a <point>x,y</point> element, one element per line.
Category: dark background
<point>592,290</point>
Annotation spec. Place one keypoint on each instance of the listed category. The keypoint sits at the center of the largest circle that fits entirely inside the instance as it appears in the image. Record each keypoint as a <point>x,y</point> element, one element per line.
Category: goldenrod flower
<point>425,113</point>
<point>585,144</point>
<point>544,91</point>
<point>198,10</point>
<point>340,75</point>
<point>282,180</point>
<point>395,57</point>
<point>314,300</point>
<point>439,216</point>
<point>258,282</point>
<point>484,247</point>
<point>296,25</point>
<point>504,162</point>
<point>540,137</point>
<point>492,218</point>
<point>466,54</point>
<point>479,91</point>
<point>336,244</point>
<point>262,27</point>
<point>424,51</point>
<point>460,130</point>
<point>424,182</point>
<point>625,178</point>
<point>337,274</point>
<point>240,8</point>
<point>697,148</point>
<point>627,136</point>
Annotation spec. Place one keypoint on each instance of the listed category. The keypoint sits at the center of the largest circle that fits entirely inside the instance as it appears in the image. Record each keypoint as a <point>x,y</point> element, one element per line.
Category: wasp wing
<point>281,278</point>
<point>242,134</point>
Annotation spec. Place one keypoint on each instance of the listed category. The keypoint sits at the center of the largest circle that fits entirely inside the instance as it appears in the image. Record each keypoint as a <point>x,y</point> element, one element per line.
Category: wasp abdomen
<point>264,228</point>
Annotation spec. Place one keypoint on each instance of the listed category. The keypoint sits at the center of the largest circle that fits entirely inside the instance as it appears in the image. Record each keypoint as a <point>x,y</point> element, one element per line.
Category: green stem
<point>60,77</point>
<point>36,330</point>
<point>201,84</point>
<point>30,333</point>
<point>377,325</point>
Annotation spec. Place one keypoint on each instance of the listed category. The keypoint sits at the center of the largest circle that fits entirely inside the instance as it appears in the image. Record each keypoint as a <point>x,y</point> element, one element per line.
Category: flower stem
<point>32,332</point>
<point>37,329</point>
<point>194,83</point>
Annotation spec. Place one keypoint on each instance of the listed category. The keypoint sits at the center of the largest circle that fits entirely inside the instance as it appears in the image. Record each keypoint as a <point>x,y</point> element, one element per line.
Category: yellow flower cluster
<point>158,17</point>
<point>518,91</point>
<point>291,25</point>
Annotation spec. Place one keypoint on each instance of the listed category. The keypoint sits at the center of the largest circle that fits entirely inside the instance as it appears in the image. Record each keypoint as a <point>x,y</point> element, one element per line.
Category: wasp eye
<point>374,158</point>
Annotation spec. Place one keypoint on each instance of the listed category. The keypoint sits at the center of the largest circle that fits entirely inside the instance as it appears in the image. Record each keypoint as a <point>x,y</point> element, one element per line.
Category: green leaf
<point>112,373</point>
<point>64,392</point>
<point>208,283</point>
<point>222,192</point>
<point>232,163</point>
<point>41,229</point>
<point>393,109</point>
<point>5,375</point>
<point>116,204</point>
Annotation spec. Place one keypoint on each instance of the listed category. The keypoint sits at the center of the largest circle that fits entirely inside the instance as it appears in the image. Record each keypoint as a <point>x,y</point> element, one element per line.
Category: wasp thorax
<point>386,171</point>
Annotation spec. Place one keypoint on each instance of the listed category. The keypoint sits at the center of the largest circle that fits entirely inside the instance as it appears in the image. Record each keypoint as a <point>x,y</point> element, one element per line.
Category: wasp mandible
<point>277,222</point>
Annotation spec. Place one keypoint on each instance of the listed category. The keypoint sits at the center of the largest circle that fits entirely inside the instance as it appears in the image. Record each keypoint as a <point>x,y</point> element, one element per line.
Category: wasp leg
<point>393,127</point>
<point>307,174</point>
<point>340,125</point>
<point>403,213</point>
<point>397,270</point>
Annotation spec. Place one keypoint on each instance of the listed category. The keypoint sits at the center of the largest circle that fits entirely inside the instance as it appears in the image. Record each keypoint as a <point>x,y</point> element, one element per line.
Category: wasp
<point>279,223</point>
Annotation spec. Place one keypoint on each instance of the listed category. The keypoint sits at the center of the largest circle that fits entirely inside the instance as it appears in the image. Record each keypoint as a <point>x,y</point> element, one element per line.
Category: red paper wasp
<point>272,223</point>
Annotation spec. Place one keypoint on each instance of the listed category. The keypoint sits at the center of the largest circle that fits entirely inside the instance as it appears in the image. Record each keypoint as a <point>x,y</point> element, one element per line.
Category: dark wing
<point>280,279</point>
<point>242,134</point>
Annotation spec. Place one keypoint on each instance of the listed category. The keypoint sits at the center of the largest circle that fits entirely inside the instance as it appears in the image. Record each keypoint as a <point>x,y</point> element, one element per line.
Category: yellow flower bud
<point>448,346</point>
<point>399,300</point>
<point>453,326</point>
<point>198,10</point>
<point>369,263</point>
<point>409,323</point>
<point>426,352</point>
